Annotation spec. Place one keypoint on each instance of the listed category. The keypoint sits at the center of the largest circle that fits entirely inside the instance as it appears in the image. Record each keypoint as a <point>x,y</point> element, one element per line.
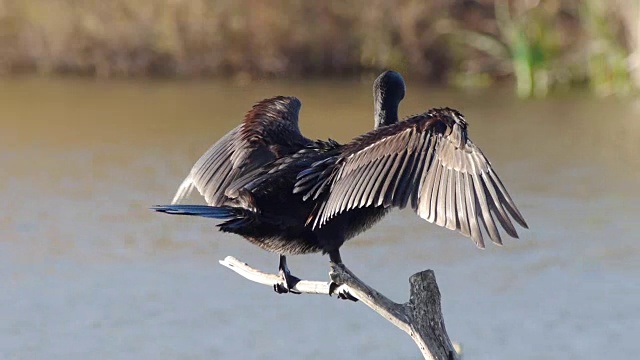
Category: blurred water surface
<point>86,271</point>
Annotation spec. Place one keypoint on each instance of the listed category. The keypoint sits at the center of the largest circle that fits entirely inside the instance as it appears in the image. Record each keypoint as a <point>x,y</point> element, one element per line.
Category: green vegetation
<point>542,45</point>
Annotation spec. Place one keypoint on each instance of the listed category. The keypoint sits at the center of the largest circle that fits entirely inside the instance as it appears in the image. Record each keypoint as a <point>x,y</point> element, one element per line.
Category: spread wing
<point>269,130</point>
<point>426,162</point>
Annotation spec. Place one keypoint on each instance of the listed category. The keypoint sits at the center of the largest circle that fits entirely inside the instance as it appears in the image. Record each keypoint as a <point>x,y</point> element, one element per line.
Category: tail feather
<point>215,212</point>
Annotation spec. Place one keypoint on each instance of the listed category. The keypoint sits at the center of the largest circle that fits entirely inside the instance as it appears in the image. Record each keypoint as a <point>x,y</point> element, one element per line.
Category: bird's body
<point>278,223</point>
<point>263,208</point>
<point>290,195</point>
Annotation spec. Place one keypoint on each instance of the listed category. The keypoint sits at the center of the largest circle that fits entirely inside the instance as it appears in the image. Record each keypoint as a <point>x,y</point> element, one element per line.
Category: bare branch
<point>377,302</point>
<point>260,277</point>
<point>420,317</point>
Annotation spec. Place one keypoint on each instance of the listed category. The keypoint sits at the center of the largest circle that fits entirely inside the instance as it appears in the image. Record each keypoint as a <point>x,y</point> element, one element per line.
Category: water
<point>88,272</point>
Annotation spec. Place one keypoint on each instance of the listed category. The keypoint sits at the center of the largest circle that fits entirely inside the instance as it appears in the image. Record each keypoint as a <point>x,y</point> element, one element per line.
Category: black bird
<point>241,176</point>
<point>312,196</point>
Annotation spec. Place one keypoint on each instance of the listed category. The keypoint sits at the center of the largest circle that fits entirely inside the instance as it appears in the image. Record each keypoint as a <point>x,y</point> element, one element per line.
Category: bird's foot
<point>341,293</point>
<point>335,260</point>
<point>288,281</point>
<point>287,284</point>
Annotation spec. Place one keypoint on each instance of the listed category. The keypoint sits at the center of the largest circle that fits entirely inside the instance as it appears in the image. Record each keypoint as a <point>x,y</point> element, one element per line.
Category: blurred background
<point>539,45</point>
<point>105,105</point>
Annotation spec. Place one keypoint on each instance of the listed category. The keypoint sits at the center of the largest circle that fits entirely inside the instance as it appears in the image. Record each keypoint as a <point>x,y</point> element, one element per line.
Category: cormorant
<point>291,195</point>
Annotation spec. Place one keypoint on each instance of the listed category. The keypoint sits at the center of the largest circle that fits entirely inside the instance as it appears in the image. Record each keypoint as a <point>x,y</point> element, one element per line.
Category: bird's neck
<point>385,114</point>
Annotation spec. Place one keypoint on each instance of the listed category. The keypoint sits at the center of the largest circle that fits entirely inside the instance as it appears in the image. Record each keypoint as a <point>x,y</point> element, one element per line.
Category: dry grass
<point>205,37</point>
<point>292,38</point>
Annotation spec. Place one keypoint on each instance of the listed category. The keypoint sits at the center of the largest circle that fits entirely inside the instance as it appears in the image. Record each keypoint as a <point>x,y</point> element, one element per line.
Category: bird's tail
<point>215,212</point>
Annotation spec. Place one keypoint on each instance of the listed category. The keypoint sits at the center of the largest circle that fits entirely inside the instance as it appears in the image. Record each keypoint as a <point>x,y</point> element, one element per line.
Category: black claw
<point>280,288</point>
<point>342,294</point>
<point>336,259</point>
<point>287,284</point>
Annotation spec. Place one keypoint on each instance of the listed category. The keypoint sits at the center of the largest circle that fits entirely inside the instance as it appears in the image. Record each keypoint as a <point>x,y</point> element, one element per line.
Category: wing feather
<point>433,190</point>
<point>269,131</point>
<point>371,191</point>
<point>452,218</point>
<point>463,220</point>
<point>419,170</point>
<point>472,201</point>
<point>501,214</point>
<point>507,201</point>
<point>440,211</point>
<point>387,187</point>
<point>426,161</point>
<point>384,179</point>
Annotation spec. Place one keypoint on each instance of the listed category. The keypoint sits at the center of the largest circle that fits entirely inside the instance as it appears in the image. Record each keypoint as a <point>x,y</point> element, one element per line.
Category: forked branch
<point>420,317</point>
